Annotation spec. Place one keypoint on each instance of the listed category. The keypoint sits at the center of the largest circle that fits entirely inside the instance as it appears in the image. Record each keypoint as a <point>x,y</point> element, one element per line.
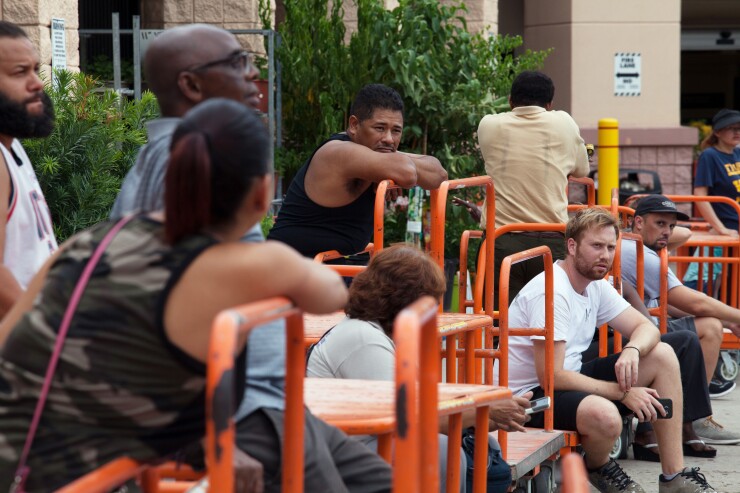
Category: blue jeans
<point>499,472</point>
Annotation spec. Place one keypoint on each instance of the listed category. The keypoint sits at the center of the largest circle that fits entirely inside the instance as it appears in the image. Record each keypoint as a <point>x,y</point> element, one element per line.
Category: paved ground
<point>722,472</point>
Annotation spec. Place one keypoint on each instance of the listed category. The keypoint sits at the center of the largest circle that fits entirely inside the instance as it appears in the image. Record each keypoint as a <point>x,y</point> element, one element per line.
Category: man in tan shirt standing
<point>530,152</point>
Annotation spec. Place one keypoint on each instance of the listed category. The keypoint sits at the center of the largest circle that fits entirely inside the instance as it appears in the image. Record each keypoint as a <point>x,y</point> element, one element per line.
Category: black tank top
<point>311,228</point>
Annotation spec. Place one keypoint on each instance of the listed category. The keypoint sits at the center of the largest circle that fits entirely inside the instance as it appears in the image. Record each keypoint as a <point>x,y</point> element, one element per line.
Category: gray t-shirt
<point>652,271</point>
<point>360,350</point>
<point>143,190</point>
<point>353,349</point>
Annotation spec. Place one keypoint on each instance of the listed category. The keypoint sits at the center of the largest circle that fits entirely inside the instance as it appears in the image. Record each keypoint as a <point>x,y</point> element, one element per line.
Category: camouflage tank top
<point>121,387</point>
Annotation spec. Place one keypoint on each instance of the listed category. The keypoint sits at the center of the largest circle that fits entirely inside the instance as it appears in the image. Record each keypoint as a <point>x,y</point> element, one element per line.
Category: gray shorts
<point>683,323</point>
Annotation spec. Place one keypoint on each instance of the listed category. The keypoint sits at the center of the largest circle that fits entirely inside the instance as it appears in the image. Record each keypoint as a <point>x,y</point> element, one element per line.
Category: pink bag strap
<point>21,473</point>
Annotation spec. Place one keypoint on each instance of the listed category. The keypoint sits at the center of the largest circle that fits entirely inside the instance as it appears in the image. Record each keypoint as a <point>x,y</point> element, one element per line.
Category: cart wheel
<point>621,444</point>
<point>728,369</point>
<point>543,482</point>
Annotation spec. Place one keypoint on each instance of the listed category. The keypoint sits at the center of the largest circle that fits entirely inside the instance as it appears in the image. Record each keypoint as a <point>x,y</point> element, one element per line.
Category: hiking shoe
<point>714,433</point>
<point>687,481</point>
<point>720,388</point>
<point>611,478</point>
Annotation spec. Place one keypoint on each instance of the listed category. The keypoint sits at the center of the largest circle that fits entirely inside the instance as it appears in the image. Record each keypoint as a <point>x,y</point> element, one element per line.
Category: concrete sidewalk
<point>722,472</point>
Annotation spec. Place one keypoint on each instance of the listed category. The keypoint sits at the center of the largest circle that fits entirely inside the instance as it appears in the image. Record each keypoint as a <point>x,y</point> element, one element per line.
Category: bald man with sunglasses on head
<point>185,66</point>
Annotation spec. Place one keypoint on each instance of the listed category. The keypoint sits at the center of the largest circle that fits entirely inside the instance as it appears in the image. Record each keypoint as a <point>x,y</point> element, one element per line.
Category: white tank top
<point>29,237</point>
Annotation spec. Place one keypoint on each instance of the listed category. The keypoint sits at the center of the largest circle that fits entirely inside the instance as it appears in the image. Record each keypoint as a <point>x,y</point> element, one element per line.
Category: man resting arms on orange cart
<point>330,202</point>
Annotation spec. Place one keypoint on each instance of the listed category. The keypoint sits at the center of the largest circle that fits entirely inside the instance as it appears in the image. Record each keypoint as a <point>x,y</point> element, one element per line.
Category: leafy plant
<point>96,138</point>
<point>288,161</point>
<point>262,66</point>
<point>705,129</point>
<point>394,227</point>
<point>102,68</point>
<point>266,224</point>
<point>315,68</point>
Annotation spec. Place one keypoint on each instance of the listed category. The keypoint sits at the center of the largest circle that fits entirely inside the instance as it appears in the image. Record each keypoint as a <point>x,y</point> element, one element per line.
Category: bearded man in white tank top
<point>26,234</point>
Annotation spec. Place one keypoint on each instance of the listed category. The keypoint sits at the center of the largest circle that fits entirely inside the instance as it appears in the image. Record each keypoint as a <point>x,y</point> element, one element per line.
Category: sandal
<point>706,452</point>
<point>646,452</point>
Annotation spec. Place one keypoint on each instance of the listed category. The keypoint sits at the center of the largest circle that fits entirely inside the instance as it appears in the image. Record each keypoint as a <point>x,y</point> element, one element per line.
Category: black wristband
<point>633,347</point>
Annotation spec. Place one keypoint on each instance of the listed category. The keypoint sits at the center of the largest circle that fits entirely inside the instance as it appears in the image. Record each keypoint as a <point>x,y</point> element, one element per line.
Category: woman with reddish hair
<point>130,379</point>
<point>361,346</point>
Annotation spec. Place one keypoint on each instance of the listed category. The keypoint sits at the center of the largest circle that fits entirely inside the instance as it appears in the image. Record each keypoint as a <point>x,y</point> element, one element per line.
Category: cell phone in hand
<point>668,406</point>
<point>538,405</point>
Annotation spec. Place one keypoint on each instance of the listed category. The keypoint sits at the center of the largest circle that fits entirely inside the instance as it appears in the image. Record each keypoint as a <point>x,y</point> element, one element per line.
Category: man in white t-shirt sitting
<point>591,397</point>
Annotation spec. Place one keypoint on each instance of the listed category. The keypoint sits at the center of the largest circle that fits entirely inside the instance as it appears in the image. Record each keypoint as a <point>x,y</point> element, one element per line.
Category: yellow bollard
<point>608,159</point>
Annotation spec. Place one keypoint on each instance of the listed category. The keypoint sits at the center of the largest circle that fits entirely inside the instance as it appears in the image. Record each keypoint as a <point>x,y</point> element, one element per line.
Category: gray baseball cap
<point>725,118</point>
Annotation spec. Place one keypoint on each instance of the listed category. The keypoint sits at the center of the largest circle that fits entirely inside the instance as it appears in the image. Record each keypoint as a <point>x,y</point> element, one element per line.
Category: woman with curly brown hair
<point>361,346</point>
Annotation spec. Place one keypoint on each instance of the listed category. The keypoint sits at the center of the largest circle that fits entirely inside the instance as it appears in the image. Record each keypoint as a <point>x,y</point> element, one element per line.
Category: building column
<point>34,16</point>
<point>587,35</point>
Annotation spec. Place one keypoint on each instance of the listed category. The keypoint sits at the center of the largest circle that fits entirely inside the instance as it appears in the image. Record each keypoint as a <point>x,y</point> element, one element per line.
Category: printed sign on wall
<point>627,74</point>
<point>58,47</point>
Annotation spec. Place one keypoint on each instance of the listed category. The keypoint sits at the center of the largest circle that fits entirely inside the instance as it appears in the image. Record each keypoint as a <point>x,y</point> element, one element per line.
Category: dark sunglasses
<point>241,60</point>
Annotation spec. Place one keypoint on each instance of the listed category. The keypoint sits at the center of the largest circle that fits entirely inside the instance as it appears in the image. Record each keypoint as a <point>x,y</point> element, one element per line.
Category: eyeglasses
<point>733,129</point>
<point>240,60</point>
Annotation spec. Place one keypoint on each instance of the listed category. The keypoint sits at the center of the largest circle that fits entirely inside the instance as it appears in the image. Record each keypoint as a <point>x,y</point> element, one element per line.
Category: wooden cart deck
<point>368,406</point>
<point>528,450</point>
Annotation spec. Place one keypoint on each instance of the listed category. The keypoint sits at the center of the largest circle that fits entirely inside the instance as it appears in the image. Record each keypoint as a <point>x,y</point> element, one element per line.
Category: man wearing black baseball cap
<point>658,203</point>
<point>655,218</point>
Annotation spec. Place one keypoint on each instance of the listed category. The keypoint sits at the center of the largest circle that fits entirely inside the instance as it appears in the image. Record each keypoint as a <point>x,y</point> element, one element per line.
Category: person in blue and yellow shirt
<point>718,172</point>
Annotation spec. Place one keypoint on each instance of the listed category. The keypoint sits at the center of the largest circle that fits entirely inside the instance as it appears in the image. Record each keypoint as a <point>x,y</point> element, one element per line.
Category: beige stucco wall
<point>35,16</point>
<point>587,33</point>
<point>229,14</point>
<point>482,14</point>
<point>653,29</point>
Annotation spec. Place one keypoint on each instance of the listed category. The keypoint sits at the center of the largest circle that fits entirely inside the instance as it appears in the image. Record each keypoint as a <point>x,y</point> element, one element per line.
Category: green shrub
<point>102,68</point>
<point>95,141</point>
<point>266,224</point>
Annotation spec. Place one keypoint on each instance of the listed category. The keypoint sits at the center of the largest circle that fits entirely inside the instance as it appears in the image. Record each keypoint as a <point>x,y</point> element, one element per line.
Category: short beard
<point>17,122</point>
<point>654,247</point>
<point>588,271</point>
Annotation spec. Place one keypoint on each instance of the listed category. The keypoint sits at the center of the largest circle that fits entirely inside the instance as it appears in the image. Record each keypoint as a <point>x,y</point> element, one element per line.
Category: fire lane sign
<point>627,74</point>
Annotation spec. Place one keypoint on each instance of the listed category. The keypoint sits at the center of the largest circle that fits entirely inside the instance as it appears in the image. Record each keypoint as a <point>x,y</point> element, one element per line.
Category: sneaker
<point>720,388</point>
<point>687,481</point>
<point>714,433</point>
<point>611,478</point>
